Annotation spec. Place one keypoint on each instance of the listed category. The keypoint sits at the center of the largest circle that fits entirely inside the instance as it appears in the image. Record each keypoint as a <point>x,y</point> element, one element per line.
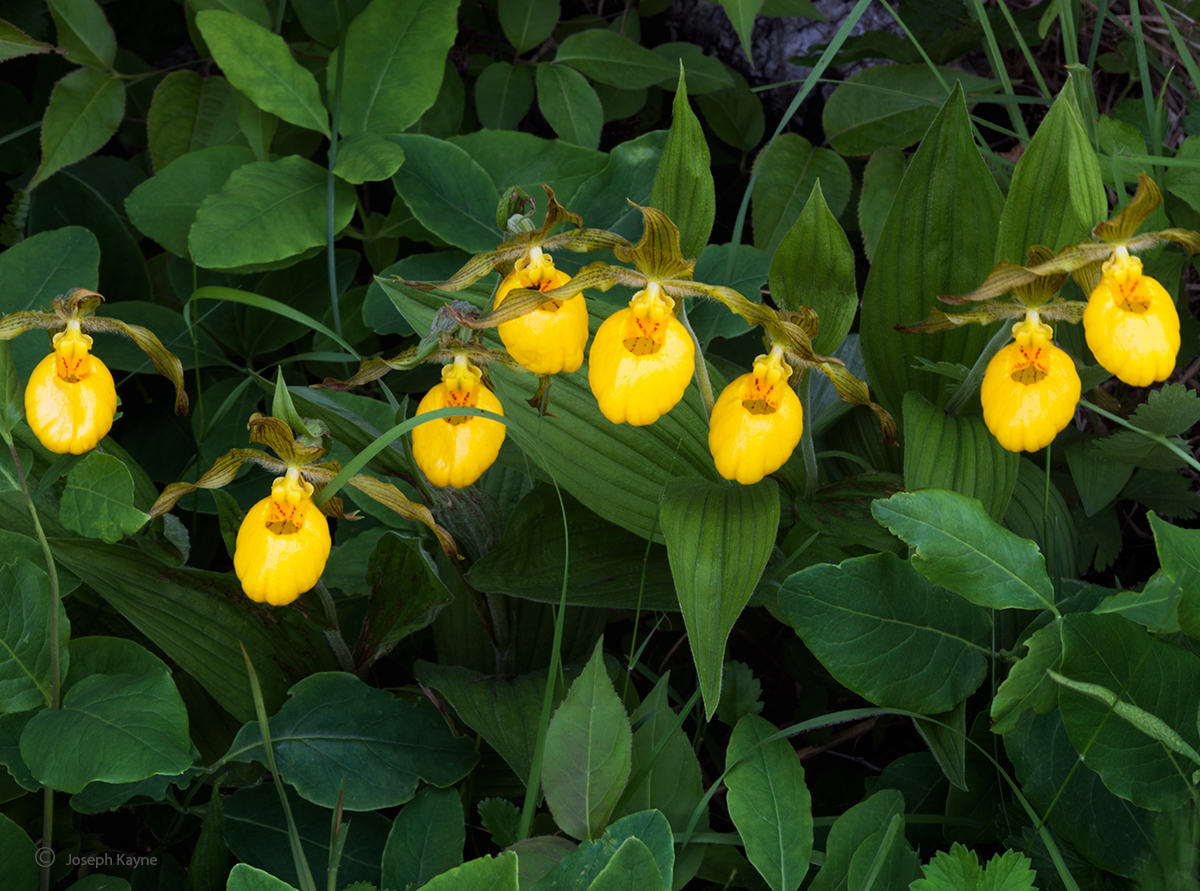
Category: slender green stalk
<point>260,709</point>
<point>1182,47</point>
<point>1051,544</point>
<point>702,381</point>
<point>1025,51</point>
<point>534,785</point>
<point>809,82</point>
<point>279,16</point>
<point>18,133</point>
<point>998,68</point>
<point>340,6</point>
<point>808,450</point>
<point>1139,44</point>
<point>502,641</point>
<point>334,636</point>
<point>1161,440</point>
<point>1101,15</point>
<point>55,656</point>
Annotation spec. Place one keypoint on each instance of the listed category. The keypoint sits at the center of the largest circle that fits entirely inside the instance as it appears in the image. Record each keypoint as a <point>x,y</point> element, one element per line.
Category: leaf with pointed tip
<point>569,105</point>
<point>260,64</point>
<point>787,171</point>
<point>683,186</point>
<point>938,239</point>
<point>98,499</point>
<point>25,636</point>
<point>86,108</point>
<point>610,58</point>
<point>588,752</point>
<point>769,803</point>
<point>14,42</point>
<point>84,34</point>
<point>395,54</point>
<point>863,617</point>
<point>426,839</point>
<point>960,547</point>
<point>719,537</point>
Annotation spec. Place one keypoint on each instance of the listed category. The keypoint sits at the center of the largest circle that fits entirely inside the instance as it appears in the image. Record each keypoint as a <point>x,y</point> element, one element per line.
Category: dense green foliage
<point>907,657</point>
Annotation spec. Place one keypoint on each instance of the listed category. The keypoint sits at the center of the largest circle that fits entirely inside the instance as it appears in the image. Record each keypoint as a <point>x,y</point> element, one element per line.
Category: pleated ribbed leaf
<point>719,537</point>
<point>1057,194</point>
<point>938,239</point>
<point>957,452</point>
<point>616,470</point>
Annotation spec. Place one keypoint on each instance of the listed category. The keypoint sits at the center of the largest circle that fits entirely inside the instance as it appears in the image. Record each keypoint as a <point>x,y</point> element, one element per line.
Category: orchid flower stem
<point>702,380</point>
<point>807,448</point>
<point>334,636</point>
<point>1161,440</point>
<point>55,664</point>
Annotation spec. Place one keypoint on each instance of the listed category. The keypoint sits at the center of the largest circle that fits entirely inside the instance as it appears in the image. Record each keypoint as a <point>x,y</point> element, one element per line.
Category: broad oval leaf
<point>260,64</point>
<point>503,95</point>
<point>579,868</point>
<point>395,50</point>
<point>98,499</point>
<point>164,207</point>
<point>850,831</point>
<point>769,803</point>
<point>367,157</point>
<point>787,171</point>
<point>481,874</point>
<point>527,23</point>
<point>84,34</point>
<point>570,105</point>
<point>426,839</point>
<point>889,105</point>
<point>188,113</point>
<point>961,548</point>
<point>1152,674</point>
<point>588,753</point>
<point>938,239</point>
<point>25,667</point>
<point>632,866</point>
<point>610,58</point>
<point>449,193</point>
<point>268,211</point>
<point>1107,830</point>
<point>719,537</point>
<point>116,728</point>
<point>334,729</point>
<point>85,109</point>
<point>866,618</point>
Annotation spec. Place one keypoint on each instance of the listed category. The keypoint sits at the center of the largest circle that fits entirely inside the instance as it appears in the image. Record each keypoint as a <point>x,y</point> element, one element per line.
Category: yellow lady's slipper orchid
<point>283,543</point>
<point>641,360</point>
<point>71,398</point>
<point>552,337</point>
<point>456,451</point>
<point>1131,323</point>
<point>756,422</point>
<point>1029,389</point>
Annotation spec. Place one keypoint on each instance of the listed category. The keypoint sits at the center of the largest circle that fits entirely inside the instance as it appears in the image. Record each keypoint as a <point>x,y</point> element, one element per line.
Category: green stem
<point>1161,440</point>
<point>55,664</point>
<point>808,450</point>
<point>334,636</point>
<point>702,381</point>
<point>330,179</point>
